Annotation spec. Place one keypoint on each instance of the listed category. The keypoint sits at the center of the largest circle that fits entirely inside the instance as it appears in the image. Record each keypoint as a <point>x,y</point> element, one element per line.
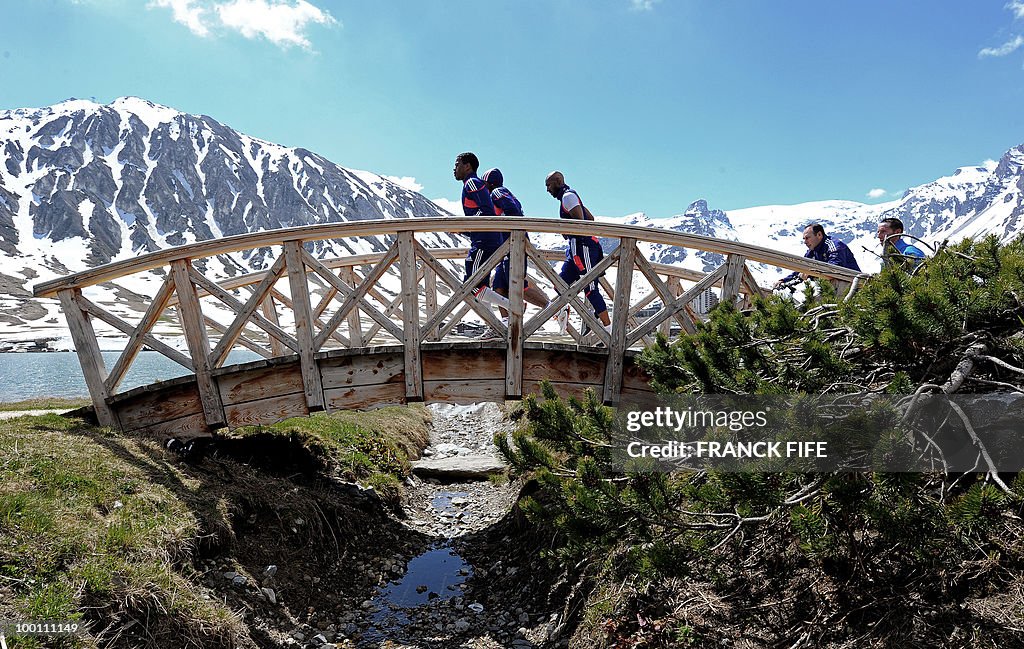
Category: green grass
<point>44,403</point>
<point>83,525</point>
<point>372,447</point>
<point>103,528</point>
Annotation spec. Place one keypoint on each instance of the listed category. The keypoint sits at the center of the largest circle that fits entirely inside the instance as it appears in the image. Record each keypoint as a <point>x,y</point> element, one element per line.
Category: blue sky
<point>644,105</point>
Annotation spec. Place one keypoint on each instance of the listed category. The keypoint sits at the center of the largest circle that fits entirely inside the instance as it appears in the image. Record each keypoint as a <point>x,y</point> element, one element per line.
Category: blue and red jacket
<point>505,202</point>
<point>476,201</point>
<point>832,252</point>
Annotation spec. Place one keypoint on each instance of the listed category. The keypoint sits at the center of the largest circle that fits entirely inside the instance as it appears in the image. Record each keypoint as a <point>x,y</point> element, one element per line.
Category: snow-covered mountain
<point>83,184</point>
<point>972,201</point>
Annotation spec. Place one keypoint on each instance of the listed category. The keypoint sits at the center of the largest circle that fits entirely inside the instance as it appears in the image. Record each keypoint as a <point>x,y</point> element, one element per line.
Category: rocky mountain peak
<point>132,176</point>
<point>1012,163</point>
<point>699,219</point>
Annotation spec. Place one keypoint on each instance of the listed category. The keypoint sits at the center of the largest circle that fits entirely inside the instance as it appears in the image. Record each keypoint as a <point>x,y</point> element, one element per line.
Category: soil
<point>308,561</point>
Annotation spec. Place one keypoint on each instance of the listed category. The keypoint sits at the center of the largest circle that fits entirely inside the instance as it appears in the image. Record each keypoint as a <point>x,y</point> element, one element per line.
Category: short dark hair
<point>470,158</point>
<point>895,224</point>
<point>816,228</point>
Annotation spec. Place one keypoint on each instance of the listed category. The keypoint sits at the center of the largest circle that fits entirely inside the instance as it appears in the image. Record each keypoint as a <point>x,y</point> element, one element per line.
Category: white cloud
<point>1012,45</point>
<point>877,192</point>
<point>282,22</point>
<point>452,207</point>
<point>1006,48</point>
<point>642,5</point>
<point>406,181</point>
<point>186,12</point>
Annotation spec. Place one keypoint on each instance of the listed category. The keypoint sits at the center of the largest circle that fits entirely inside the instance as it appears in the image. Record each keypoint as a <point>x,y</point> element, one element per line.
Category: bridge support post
<point>88,350</point>
<point>190,314</point>
<point>410,316</point>
<point>734,268</point>
<point>303,310</point>
<point>620,320</point>
<point>516,277</point>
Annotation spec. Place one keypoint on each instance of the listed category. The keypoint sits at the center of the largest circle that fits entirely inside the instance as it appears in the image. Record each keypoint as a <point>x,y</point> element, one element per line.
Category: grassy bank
<point>119,534</point>
<point>43,403</point>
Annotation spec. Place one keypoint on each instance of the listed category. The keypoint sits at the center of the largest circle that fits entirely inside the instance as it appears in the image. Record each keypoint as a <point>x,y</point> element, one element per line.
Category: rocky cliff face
<point>974,200</point>
<point>83,184</point>
<point>133,177</point>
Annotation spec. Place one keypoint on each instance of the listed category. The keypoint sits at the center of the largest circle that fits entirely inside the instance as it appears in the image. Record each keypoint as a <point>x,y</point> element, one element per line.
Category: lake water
<point>58,374</point>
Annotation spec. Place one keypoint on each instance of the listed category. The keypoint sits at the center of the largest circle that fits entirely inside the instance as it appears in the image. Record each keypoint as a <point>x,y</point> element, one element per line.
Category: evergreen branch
<point>964,368</point>
<point>1001,363</point>
<point>1001,384</point>
<point>807,491</point>
<point>956,379</point>
<point>992,473</point>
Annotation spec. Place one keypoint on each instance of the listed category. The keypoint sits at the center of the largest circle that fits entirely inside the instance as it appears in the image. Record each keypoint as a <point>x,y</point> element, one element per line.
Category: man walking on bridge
<point>582,253</point>
<point>822,247</point>
<point>476,201</point>
<point>506,204</point>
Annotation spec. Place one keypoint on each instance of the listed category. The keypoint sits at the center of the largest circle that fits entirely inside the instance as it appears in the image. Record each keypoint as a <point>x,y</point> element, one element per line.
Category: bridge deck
<point>266,391</point>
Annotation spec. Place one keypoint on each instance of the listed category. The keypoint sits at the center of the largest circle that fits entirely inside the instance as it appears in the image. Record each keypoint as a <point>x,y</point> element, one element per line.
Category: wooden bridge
<point>333,336</point>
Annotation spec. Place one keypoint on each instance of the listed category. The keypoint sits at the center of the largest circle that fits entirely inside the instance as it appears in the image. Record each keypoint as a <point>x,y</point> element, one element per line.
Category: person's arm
<point>502,204</point>
<point>573,206</point>
<point>913,251</point>
<point>478,198</point>
<point>788,278</point>
<point>832,255</point>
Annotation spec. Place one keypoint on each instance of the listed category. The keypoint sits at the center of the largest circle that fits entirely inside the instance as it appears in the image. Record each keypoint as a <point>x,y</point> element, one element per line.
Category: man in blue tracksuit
<point>582,253</point>
<point>476,201</point>
<point>822,247</point>
<point>506,204</point>
<point>896,251</point>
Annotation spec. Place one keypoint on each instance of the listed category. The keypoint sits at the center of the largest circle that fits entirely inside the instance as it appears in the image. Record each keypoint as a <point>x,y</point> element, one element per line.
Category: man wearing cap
<point>506,204</point>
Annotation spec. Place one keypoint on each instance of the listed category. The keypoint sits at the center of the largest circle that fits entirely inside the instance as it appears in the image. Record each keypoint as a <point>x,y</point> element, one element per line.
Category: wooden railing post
<point>733,276</point>
<point>410,316</point>
<point>620,320</point>
<point>676,288</point>
<point>430,299</point>
<point>514,355</point>
<point>270,313</point>
<point>303,312</point>
<point>89,356</point>
<point>190,314</point>
<point>355,325</point>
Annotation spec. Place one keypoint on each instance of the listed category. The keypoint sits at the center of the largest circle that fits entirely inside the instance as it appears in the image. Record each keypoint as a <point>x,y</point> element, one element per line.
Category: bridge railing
<point>410,294</point>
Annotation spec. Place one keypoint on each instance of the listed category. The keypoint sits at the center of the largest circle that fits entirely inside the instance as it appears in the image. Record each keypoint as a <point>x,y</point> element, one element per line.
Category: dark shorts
<point>475,259</point>
<point>501,276</point>
<point>582,254</point>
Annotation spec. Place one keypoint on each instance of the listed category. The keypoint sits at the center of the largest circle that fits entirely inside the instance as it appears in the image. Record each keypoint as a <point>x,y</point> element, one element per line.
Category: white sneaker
<point>563,320</point>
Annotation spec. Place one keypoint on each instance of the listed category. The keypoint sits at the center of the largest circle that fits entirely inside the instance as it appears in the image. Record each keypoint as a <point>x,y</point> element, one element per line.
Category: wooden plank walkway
<point>369,330</point>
